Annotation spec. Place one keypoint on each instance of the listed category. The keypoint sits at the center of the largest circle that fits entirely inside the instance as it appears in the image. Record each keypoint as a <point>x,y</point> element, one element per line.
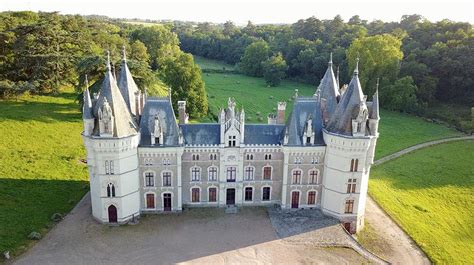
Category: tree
<point>183,76</point>
<point>274,69</point>
<point>380,57</point>
<point>400,96</point>
<point>255,54</point>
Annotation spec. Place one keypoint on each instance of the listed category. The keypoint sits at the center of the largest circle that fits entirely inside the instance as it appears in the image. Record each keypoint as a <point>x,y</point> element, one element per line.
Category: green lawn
<point>430,193</point>
<point>40,169</point>
<point>209,64</point>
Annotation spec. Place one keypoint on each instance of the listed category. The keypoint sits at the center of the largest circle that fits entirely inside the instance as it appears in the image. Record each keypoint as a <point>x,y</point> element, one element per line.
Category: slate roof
<point>329,89</point>
<point>126,84</point>
<point>124,123</point>
<point>264,133</point>
<point>341,121</point>
<point>374,110</point>
<point>201,134</point>
<point>161,107</point>
<point>87,106</point>
<point>302,108</point>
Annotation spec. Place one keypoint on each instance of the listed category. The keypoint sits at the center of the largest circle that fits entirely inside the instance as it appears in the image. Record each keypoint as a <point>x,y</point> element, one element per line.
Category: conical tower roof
<point>329,89</point>
<point>124,123</point>
<point>341,121</point>
<point>127,85</point>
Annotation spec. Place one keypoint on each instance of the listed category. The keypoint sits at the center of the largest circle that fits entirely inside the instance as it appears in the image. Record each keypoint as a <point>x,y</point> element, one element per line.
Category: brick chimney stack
<point>281,112</point>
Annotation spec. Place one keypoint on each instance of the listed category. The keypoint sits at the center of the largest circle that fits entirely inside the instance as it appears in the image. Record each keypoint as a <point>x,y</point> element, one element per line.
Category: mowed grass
<point>40,169</point>
<point>210,64</point>
<point>430,193</point>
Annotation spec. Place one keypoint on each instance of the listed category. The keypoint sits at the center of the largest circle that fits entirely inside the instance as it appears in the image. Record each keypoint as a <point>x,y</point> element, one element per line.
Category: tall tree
<point>274,69</point>
<point>255,54</point>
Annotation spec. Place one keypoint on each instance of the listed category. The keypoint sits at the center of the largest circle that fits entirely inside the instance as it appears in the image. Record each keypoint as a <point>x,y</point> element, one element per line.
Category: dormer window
<point>232,141</point>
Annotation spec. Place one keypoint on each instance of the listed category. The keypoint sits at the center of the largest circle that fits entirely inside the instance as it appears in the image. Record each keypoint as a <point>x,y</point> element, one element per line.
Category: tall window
<point>110,190</point>
<point>267,173</point>
<point>249,157</point>
<point>212,173</point>
<point>249,173</point>
<point>195,174</point>
<point>266,194</point>
<point>349,206</point>
<point>150,201</point>
<point>311,197</point>
<point>213,157</point>
<point>351,186</point>
<point>195,157</point>
<point>313,176</point>
<point>296,177</point>
<point>232,141</point>
<point>268,156</point>
<point>149,179</point>
<point>248,194</point>
<point>231,174</point>
<point>166,179</point>
<point>354,165</point>
<point>195,195</point>
<point>212,194</point>
<point>109,167</point>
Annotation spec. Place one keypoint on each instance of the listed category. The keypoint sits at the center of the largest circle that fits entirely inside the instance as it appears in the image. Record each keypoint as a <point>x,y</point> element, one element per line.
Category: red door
<point>112,214</point>
<point>295,199</point>
<point>150,201</point>
<point>167,202</point>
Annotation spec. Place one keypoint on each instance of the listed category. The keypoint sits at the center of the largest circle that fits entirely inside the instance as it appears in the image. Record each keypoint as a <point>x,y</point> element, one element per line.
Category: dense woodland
<point>42,52</point>
<point>418,62</point>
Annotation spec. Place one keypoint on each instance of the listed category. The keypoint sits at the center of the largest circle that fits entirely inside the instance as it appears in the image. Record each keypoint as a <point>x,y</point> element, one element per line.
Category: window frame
<point>264,175</point>
<point>249,173</point>
<point>195,174</point>
<point>170,176</point>
<point>310,176</point>
<point>246,199</point>
<point>198,190</point>
<point>269,193</point>
<point>209,194</point>
<point>308,196</point>
<point>149,175</point>
<point>231,174</point>
<point>214,174</point>
<point>296,178</point>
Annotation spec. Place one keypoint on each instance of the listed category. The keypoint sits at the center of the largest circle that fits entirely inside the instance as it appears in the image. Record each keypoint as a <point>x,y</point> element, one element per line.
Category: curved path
<point>393,244</point>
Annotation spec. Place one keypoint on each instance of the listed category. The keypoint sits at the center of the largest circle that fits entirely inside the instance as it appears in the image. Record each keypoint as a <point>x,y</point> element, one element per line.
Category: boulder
<point>56,217</point>
<point>34,236</point>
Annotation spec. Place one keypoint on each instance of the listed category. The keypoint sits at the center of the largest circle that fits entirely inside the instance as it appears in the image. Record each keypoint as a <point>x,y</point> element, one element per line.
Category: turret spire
<point>124,54</point>
<point>356,69</point>
<point>107,65</point>
<point>337,78</point>
<point>87,104</point>
<point>330,60</point>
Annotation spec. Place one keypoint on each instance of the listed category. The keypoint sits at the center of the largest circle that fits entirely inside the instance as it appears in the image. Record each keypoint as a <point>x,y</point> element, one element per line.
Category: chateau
<point>141,159</point>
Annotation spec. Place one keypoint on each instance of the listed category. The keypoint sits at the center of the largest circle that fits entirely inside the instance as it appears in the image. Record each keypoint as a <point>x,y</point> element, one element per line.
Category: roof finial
<point>108,61</point>
<point>87,82</point>
<point>330,59</point>
<point>356,70</point>
<point>124,55</point>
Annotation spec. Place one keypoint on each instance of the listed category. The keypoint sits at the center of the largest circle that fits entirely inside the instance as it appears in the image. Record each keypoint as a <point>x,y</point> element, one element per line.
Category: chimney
<point>281,112</point>
<point>183,119</point>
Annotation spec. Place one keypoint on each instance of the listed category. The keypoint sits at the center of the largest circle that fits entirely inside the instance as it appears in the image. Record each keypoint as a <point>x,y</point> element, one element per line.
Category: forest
<point>417,61</point>
<point>41,53</point>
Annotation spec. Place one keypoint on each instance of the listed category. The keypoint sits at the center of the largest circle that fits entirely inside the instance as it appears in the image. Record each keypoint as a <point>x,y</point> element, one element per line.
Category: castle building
<point>141,159</point>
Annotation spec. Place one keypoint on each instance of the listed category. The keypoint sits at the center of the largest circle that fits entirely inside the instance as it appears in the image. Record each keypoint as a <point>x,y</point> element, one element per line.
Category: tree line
<point>417,61</point>
<point>43,52</point>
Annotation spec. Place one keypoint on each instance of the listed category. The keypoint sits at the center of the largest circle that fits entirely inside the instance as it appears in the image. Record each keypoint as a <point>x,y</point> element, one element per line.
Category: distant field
<point>146,24</point>
<point>205,63</point>
<point>40,169</point>
<point>430,193</point>
<point>397,130</point>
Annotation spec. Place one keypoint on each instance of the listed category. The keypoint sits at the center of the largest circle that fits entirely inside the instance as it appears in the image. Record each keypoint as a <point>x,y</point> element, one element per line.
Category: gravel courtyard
<point>194,236</point>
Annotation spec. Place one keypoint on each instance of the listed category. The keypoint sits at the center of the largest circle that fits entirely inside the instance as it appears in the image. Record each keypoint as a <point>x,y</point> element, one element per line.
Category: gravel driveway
<point>194,236</point>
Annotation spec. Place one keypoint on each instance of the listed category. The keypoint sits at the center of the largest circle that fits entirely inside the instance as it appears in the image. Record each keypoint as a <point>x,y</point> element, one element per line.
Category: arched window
<point>296,177</point>
<point>195,195</point>
<point>195,156</point>
<point>231,174</point>
<point>149,179</point>
<point>268,156</point>
<point>356,165</point>
<point>212,194</point>
<point>249,157</point>
<point>266,193</point>
<point>313,176</point>
<point>352,165</point>
<point>351,186</point>
<point>110,190</point>
<point>212,173</point>
<point>249,173</point>
<point>195,174</point>
<point>311,197</point>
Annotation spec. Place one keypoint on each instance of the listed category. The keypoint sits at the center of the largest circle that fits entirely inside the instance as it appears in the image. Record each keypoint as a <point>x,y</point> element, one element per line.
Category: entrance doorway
<point>295,199</point>
<point>230,197</point>
<point>167,202</point>
<point>112,214</point>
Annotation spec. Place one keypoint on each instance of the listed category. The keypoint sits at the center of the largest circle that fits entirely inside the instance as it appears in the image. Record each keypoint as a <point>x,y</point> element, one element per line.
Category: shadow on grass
<point>61,107</point>
<point>27,205</point>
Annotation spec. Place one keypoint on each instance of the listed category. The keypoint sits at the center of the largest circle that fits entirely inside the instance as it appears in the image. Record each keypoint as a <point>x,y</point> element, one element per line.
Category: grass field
<point>40,169</point>
<point>430,193</point>
<point>209,64</point>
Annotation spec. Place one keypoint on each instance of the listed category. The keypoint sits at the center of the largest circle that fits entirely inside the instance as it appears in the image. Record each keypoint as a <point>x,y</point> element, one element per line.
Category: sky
<point>258,11</point>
